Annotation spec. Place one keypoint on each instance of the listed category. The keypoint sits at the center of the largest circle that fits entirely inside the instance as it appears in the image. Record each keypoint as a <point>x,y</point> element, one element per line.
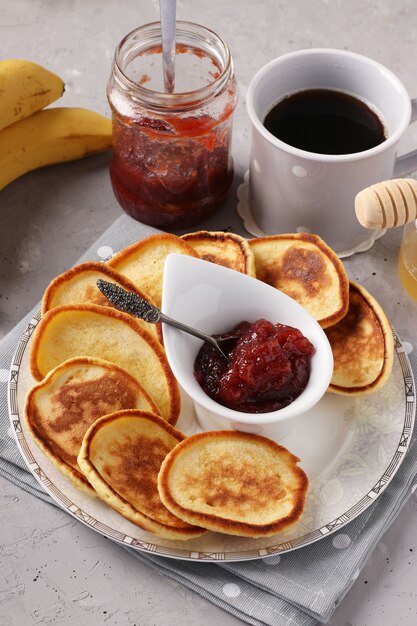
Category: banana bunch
<point>32,136</point>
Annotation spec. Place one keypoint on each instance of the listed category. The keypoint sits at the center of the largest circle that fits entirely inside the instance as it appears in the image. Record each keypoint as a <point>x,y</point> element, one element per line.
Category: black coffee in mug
<point>326,122</point>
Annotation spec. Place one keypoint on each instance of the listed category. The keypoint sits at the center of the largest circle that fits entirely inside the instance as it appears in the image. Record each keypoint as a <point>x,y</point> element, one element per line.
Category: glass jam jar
<point>171,165</point>
<point>407,260</point>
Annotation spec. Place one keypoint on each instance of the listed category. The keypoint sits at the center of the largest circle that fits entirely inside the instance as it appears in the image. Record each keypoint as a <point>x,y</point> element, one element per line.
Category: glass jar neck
<point>190,37</point>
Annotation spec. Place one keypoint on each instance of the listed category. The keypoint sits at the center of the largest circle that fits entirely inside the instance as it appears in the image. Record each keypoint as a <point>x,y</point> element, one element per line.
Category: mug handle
<point>407,162</point>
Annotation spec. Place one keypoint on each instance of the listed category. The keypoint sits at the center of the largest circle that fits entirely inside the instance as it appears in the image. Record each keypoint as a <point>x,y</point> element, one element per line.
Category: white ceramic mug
<point>292,190</point>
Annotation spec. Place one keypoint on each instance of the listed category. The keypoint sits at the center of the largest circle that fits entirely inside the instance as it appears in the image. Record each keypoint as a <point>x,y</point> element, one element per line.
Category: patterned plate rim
<point>192,555</point>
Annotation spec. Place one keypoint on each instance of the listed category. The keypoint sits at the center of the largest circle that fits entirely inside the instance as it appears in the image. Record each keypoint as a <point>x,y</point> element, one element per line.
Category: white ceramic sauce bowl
<point>214,299</point>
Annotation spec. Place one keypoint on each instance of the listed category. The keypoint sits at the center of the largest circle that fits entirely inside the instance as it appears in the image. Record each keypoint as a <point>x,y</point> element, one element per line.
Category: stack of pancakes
<point>106,403</point>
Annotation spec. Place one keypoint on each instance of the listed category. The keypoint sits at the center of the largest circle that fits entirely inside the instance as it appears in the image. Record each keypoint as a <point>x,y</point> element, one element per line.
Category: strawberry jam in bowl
<point>280,365</point>
<point>268,366</point>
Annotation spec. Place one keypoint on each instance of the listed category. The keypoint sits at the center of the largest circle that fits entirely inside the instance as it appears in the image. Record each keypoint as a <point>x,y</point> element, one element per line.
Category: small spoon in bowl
<point>133,304</point>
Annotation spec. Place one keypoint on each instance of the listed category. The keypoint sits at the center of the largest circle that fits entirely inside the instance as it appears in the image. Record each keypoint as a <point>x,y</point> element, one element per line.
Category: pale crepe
<point>79,286</point>
<point>143,262</point>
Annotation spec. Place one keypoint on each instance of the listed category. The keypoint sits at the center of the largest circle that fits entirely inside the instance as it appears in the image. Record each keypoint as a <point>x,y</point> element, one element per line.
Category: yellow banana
<point>51,136</point>
<point>25,87</point>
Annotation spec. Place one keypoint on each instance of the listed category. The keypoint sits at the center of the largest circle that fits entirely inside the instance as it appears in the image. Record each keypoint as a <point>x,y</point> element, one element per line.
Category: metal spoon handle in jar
<point>133,304</point>
<point>167,10</point>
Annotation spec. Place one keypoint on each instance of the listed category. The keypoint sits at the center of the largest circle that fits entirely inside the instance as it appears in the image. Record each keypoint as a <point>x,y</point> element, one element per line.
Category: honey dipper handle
<point>387,204</point>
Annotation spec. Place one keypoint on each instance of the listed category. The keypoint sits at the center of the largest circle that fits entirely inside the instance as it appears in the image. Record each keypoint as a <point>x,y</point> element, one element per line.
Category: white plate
<point>350,449</point>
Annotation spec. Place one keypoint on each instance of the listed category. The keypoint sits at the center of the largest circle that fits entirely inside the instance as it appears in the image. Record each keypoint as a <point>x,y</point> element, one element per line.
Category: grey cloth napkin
<point>297,588</point>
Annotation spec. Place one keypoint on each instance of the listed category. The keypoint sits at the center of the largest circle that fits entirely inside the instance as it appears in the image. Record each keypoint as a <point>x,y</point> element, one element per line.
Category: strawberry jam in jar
<point>171,165</point>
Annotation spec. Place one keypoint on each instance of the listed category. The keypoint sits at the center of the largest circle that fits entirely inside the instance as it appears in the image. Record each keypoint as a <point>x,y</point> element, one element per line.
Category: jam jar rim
<point>162,101</point>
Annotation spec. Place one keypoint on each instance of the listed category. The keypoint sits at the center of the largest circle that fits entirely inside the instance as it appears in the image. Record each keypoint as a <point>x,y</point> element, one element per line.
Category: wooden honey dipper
<point>387,204</point>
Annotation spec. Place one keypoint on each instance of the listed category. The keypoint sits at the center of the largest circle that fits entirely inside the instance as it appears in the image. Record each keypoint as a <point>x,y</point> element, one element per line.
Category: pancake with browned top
<point>233,482</point>
<point>102,332</point>
<point>306,269</point>
<point>227,249</point>
<point>143,262</point>
<point>79,286</point>
<point>60,409</point>
<point>362,344</point>
<point>121,456</point>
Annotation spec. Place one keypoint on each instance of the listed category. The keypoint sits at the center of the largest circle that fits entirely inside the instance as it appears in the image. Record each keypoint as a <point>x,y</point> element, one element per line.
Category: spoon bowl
<point>215,299</point>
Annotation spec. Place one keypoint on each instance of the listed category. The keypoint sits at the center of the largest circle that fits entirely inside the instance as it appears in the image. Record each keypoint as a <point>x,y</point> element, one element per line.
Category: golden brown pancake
<point>61,408</point>
<point>362,344</point>
<point>227,249</point>
<point>143,262</point>
<point>121,456</point>
<point>306,269</point>
<point>233,482</point>
<point>79,286</point>
<point>103,332</point>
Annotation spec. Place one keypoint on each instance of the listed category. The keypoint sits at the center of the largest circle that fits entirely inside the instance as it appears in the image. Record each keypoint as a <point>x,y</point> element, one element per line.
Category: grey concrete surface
<point>54,570</point>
